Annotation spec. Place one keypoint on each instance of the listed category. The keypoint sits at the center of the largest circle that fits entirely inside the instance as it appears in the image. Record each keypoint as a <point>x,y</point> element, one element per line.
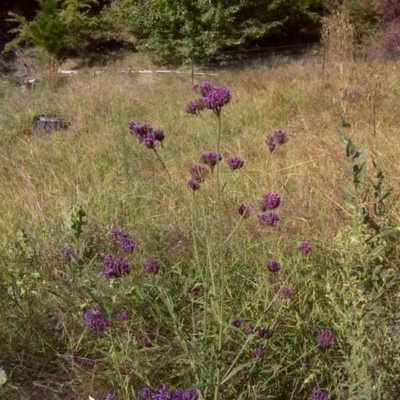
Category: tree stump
<point>47,123</point>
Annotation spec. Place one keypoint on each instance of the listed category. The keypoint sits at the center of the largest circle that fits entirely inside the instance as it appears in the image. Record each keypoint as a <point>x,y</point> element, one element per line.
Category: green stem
<point>222,271</point>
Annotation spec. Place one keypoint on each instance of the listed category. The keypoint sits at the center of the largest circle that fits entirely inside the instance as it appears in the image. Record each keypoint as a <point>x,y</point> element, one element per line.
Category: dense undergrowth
<point>118,273</point>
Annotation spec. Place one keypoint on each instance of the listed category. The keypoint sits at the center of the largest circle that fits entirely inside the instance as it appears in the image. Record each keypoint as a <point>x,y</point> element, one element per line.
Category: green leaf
<point>376,252</point>
<point>343,141</point>
<point>362,171</point>
<point>348,190</point>
<point>362,147</point>
<point>3,377</point>
<point>234,371</point>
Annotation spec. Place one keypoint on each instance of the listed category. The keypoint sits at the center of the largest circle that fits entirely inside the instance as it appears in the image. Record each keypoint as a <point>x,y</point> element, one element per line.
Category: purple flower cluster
<point>236,322</point>
<point>264,333</point>
<point>269,218</point>
<point>257,352</point>
<point>235,162</point>
<point>146,135</point>
<point>248,329</point>
<point>269,201</point>
<point>325,338</point>
<point>115,267</point>
<point>193,290</point>
<point>319,395</point>
<point>195,106</point>
<point>198,173</point>
<point>66,252</point>
<point>286,292</point>
<point>213,98</point>
<point>151,266</point>
<point>95,320</point>
<point>121,239</point>
<point>276,138</point>
<point>193,183</point>
<point>110,396</point>
<point>244,210</point>
<point>164,394</point>
<point>122,315</point>
<point>304,247</point>
<point>273,266</point>
<point>210,158</point>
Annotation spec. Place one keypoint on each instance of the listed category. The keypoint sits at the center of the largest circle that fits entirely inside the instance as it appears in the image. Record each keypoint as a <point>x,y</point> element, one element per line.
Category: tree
<point>177,29</point>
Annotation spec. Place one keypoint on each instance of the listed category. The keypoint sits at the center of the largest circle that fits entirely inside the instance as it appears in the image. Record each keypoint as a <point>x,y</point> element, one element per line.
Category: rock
<point>47,123</point>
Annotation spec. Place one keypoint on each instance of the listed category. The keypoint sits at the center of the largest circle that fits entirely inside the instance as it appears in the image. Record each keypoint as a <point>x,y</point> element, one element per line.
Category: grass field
<point>203,306</point>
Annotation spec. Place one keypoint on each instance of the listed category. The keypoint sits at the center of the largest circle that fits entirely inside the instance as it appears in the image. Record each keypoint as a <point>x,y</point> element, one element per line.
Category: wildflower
<point>248,330</point>
<point>304,247</point>
<point>270,142</point>
<point>95,320</point>
<point>122,315</point>
<point>319,395</point>
<point>325,338</point>
<point>270,218</point>
<point>213,98</point>
<point>257,352</point>
<point>280,136</point>
<point>151,266</point>
<point>141,338</point>
<point>199,172</point>
<point>273,265</point>
<point>210,158</point>
<point>145,393</point>
<point>110,396</point>
<point>120,238</point>
<point>195,87</point>
<point>195,106</point>
<point>148,140</point>
<point>193,290</point>
<point>235,162</point>
<point>236,322</point>
<point>244,210</point>
<point>193,183</point>
<point>115,267</point>
<point>273,139</point>
<point>164,394</point>
<point>139,129</point>
<point>286,292</point>
<point>264,333</point>
<point>270,200</point>
<point>66,252</point>
<point>205,88</point>
<point>160,135</point>
<point>146,135</point>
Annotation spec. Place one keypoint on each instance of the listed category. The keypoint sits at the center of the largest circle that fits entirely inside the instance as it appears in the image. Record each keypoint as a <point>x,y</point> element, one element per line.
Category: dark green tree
<point>176,29</point>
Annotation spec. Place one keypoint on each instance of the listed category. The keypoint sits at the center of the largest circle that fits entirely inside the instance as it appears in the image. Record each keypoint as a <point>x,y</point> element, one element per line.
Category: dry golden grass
<point>97,164</point>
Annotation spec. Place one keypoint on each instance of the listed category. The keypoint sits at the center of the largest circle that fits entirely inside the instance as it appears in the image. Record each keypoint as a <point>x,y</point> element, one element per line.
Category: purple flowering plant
<point>121,239</point>
<point>212,98</point>
<point>268,218</point>
<point>115,266</point>
<point>279,137</point>
<point>244,210</point>
<point>95,320</point>
<point>146,134</point>
<point>325,338</point>
<point>235,162</point>
<point>210,158</point>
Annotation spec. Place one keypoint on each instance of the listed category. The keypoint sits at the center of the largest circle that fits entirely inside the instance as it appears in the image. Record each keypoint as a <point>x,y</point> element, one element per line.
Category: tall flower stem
<point>221,268</point>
